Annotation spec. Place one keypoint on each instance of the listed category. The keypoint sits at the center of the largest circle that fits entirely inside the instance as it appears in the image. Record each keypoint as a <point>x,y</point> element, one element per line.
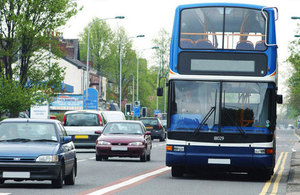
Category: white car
<point>82,124</point>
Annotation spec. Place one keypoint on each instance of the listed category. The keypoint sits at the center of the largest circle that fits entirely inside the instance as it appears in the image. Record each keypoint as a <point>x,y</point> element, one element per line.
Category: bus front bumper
<point>241,159</point>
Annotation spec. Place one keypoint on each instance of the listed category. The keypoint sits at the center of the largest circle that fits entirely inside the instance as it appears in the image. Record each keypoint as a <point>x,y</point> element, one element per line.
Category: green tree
<point>294,81</point>
<point>24,38</point>
<point>101,37</point>
<point>162,56</point>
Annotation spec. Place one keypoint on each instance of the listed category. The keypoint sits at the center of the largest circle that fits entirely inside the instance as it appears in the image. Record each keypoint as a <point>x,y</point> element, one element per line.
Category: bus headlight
<point>263,151</point>
<point>178,148</point>
<point>259,151</point>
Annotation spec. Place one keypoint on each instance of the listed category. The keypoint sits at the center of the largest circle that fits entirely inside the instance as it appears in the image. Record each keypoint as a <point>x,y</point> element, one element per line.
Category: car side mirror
<point>279,99</point>
<point>67,139</point>
<point>98,132</point>
<point>160,91</point>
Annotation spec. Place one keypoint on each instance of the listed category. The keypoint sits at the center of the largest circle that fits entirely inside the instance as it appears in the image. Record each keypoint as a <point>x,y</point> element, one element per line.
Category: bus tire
<point>261,174</point>
<point>177,171</point>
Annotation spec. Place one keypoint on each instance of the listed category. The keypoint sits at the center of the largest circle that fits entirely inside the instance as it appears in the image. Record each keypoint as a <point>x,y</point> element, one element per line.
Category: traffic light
<point>127,109</point>
<point>144,111</point>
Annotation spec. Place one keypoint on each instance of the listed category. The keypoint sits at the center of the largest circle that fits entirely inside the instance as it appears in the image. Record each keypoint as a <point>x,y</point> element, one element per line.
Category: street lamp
<point>137,72</point>
<point>295,18</point>
<point>120,93</point>
<point>88,48</point>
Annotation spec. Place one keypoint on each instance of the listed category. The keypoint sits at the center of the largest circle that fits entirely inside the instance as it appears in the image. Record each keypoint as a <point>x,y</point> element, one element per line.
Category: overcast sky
<point>149,16</point>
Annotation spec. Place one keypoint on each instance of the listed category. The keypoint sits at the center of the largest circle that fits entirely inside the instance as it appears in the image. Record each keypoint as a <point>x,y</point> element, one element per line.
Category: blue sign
<point>90,100</point>
<point>136,111</point>
<point>156,112</point>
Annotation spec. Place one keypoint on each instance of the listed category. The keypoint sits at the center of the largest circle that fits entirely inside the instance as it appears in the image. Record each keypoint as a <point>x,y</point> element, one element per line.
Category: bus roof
<point>220,4</point>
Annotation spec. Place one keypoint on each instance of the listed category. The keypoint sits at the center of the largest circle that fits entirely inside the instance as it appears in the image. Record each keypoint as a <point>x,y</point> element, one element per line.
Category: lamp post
<point>137,72</point>
<point>120,91</point>
<point>88,48</point>
<point>295,18</point>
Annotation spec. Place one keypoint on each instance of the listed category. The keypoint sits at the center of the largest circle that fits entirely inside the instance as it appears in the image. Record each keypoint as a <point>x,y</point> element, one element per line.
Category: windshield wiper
<point>44,140</point>
<point>206,117</point>
<point>236,125</point>
<point>18,140</point>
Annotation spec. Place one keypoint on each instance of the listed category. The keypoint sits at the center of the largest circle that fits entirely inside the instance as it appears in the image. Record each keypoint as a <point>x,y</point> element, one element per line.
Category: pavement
<point>293,184</point>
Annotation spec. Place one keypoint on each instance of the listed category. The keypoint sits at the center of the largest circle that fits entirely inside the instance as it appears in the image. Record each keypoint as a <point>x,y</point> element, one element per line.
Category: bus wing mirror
<point>279,99</point>
<point>160,91</point>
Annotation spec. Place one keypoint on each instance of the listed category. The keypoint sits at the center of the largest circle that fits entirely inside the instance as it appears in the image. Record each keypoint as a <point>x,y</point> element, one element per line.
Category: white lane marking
<point>82,160</point>
<point>129,182</point>
<point>5,193</point>
<point>92,158</point>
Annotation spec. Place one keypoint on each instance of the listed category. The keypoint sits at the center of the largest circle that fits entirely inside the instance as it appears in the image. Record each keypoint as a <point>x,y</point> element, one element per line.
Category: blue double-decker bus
<point>223,89</point>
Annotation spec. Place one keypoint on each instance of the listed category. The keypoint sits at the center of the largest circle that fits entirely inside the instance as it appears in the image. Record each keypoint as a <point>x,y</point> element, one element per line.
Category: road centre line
<point>268,183</point>
<point>116,186</point>
<point>279,175</point>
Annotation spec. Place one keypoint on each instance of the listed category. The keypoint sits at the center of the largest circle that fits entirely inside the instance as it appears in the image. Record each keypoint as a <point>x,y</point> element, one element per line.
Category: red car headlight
<point>103,143</point>
<point>136,144</point>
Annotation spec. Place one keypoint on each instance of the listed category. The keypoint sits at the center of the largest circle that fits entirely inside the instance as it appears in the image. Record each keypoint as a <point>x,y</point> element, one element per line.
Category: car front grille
<point>119,144</point>
<point>17,159</point>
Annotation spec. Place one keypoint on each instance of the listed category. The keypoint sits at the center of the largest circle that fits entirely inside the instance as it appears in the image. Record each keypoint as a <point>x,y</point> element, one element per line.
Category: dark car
<point>124,139</point>
<point>36,149</point>
<point>154,125</point>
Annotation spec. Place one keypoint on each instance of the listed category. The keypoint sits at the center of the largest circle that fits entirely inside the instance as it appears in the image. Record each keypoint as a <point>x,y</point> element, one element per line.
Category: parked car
<point>124,139</point>
<point>36,149</point>
<point>82,124</point>
<point>154,125</point>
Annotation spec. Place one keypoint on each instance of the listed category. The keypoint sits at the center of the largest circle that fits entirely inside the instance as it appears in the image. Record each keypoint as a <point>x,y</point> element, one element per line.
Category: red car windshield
<point>123,128</point>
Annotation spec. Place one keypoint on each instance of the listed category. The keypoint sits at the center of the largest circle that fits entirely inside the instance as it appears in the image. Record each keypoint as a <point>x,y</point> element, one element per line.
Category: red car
<point>124,139</point>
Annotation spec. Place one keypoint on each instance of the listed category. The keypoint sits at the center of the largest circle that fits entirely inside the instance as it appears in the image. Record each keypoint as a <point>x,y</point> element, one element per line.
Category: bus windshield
<point>227,107</point>
<point>222,28</point>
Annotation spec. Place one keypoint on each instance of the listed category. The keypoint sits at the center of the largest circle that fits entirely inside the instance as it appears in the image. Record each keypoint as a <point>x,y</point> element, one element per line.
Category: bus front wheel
<point>177,171</point>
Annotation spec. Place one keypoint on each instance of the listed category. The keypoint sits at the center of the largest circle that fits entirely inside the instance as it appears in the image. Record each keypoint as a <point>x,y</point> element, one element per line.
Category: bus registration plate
<point>219,161</point>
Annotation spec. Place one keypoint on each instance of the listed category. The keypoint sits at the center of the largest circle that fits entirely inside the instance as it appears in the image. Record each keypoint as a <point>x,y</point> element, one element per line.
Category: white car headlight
<point>136,144</point>
<point>103,143</point>
<point>47,158</point>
